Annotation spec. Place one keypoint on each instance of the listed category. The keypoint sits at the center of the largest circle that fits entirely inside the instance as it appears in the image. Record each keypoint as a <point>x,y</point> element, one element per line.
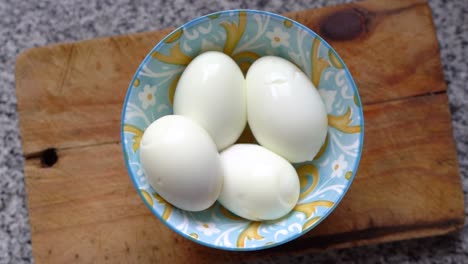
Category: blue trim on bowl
<point>160,43</point>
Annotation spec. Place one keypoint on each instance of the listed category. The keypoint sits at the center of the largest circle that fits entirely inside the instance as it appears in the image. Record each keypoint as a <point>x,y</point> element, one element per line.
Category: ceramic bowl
<point>246,35</point>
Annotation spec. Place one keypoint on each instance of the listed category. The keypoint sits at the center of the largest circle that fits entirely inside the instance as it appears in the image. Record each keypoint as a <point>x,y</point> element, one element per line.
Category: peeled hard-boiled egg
<point>211,91</point>
<point>285,111</point>
<point>258,184</point>
<point>181,163</point>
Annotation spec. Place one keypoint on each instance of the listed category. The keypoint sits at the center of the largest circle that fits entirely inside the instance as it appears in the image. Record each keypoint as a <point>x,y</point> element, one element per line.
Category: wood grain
<point>71,94</point>
<point>86,205</point>
<point>390,47</point>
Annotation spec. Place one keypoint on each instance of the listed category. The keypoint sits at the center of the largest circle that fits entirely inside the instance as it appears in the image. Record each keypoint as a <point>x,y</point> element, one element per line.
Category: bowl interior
<point>246,35</point>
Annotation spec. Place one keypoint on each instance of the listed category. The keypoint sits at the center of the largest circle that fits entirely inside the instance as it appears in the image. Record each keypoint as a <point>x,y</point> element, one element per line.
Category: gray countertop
<point>25,24</point>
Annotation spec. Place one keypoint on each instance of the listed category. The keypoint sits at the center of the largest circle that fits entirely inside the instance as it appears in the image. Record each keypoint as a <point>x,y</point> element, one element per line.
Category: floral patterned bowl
<point>246,35</point>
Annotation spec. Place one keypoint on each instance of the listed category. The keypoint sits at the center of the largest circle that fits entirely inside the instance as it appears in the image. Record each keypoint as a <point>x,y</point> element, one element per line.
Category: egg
<point>258,184</point>
<point>285,111</point>
<point>181,163</point>
<point>211,91</point>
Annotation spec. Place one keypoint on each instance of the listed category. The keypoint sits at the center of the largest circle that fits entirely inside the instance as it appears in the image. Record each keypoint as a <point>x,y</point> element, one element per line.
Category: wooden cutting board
<point>83,207</point>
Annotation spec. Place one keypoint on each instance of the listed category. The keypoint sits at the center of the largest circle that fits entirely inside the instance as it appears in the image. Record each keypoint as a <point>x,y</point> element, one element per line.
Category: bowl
<point>246,35</point>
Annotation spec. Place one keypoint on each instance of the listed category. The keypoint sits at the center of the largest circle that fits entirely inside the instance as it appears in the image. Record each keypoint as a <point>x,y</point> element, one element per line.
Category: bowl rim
<point>195,22</point>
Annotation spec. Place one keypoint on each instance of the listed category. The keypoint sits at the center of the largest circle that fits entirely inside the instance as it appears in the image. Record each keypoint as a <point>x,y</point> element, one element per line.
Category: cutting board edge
<point>386,238</point>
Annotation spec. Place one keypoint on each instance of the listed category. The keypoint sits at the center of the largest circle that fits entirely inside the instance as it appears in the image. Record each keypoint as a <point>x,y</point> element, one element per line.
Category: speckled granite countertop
<point>25,24</point>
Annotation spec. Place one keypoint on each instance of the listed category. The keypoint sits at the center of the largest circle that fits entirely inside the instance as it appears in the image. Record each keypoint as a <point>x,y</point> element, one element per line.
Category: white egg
<point>211,91</point>
<point>258,184</point>
<point>181,163</point>
<point>285,111</point>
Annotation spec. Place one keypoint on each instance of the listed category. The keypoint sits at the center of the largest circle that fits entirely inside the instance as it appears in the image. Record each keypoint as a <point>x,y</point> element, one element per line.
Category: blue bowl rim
<point>250,11</point>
